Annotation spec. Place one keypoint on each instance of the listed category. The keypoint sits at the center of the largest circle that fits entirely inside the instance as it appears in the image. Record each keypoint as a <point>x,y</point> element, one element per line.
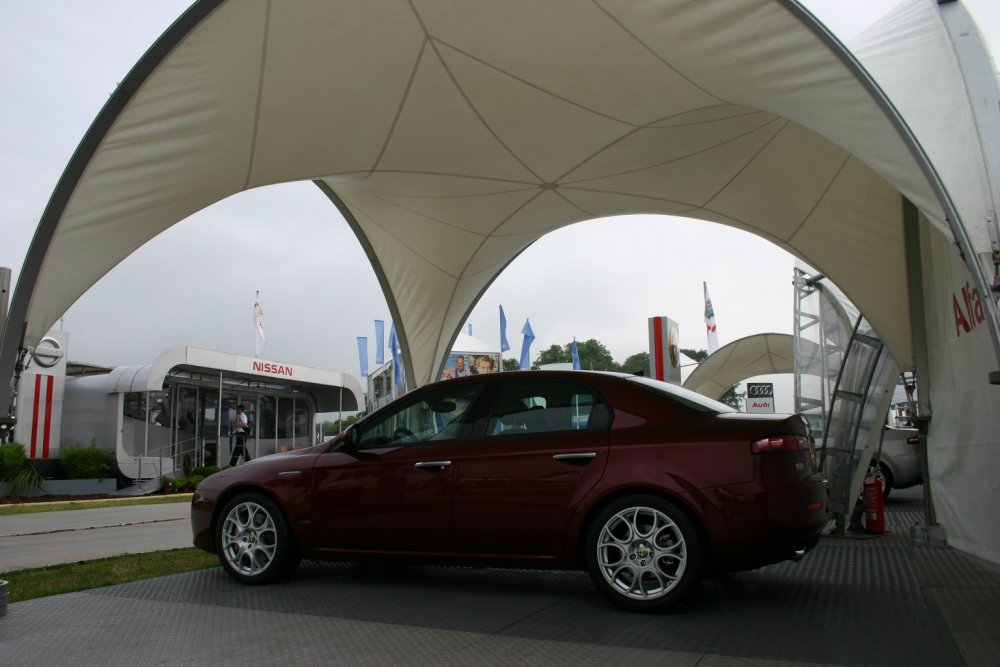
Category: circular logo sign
<point>47,353</point>
<point>673,346</point>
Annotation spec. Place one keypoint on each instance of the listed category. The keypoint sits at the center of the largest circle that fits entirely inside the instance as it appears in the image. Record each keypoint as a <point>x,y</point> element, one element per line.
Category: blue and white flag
<point>529,336</point>
<point>379,342</point>
<point>504,345</point>
<point>363,355</point>
<point>397,365</point>
<point>576,356</point>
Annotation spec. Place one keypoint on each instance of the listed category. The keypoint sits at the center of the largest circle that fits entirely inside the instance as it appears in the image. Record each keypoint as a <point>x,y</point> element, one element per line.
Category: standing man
<point>239,432</point>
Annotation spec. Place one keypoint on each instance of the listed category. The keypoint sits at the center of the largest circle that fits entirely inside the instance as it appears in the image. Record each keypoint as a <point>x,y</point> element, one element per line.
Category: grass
<point>71,577</point>
<point>33,507</point>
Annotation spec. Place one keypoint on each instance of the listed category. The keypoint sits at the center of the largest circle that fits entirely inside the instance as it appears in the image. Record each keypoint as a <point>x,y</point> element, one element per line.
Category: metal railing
<point>174,452</point>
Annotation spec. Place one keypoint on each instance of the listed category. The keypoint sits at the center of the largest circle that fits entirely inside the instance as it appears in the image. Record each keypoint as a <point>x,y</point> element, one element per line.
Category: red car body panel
<point>377,500</point>
<point>514,496</point>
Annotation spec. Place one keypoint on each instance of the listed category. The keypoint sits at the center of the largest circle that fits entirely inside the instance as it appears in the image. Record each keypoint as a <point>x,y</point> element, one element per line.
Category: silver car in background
<point>898,464</point>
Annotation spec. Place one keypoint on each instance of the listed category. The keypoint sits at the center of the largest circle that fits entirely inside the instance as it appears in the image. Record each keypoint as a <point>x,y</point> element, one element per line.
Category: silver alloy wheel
<point>249,538</point>
<point>641,553</point>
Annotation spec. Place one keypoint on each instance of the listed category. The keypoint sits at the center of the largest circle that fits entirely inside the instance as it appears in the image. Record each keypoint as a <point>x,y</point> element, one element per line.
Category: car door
<point>391,489</point>
<point>519,478</point>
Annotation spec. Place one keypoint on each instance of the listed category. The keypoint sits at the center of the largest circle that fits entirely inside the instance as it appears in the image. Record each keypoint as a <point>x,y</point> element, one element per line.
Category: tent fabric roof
<point>467,343</point>
<point>748,357</point>
<point>451,136</point>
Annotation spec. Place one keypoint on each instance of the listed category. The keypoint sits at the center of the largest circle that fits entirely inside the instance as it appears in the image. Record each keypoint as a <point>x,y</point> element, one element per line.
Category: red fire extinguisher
<point>874,506</point>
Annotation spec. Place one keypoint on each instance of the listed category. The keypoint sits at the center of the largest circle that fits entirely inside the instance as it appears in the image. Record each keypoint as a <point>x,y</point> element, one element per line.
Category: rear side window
<point>530,406</point>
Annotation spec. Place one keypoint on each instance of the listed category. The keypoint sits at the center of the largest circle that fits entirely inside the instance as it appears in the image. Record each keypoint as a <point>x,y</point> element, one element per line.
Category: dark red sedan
<point>640,482</point>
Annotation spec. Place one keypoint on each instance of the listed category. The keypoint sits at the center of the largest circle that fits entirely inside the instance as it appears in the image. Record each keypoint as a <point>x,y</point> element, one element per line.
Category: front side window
<point>438,415</point>
<point>530,406</point>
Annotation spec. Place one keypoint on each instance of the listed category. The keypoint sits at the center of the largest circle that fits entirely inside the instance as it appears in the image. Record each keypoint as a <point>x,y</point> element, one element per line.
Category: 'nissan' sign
<point>760,397</point>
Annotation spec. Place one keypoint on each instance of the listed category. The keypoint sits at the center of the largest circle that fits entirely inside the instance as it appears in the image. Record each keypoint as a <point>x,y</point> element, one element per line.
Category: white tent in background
<point>761,354</point>
<point>453,135</point>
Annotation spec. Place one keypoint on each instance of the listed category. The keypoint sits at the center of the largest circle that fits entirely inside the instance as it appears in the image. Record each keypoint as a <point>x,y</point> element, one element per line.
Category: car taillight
<point>779,443</point>
<point>913,440</point>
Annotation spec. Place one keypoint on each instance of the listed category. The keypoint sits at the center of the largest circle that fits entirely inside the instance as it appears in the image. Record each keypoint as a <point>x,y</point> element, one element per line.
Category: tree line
<point>596,357</point>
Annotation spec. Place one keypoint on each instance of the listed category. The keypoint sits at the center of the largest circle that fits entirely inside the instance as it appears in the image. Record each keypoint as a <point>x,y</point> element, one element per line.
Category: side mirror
<point>349,441</point>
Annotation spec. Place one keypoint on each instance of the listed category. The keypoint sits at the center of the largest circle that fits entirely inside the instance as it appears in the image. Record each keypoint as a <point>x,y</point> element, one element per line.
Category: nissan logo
<point>47,353</point>
<point>760,390</point>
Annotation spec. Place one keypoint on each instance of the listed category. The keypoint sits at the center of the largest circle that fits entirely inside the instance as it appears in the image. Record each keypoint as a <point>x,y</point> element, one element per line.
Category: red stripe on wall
<point>49,382</point>
<point>658,347</point>
<point>34,418</point>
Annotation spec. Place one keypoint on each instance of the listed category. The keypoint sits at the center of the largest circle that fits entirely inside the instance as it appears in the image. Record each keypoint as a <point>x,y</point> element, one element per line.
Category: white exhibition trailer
<point>177,411</point>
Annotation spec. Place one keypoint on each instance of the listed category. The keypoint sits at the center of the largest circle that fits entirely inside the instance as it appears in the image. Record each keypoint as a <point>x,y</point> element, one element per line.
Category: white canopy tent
<point>452,135</point>
<point>761,354</point>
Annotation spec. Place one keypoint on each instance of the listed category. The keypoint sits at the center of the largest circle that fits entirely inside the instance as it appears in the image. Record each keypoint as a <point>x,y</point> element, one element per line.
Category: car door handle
<point>575,456</point>
<point>432,464</point>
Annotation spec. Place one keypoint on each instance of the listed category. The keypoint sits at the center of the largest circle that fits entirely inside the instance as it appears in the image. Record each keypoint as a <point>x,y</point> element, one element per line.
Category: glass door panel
<point>266,426</point>
<point>249,403</point>
<point>228,417</point>
<point>209,428</point>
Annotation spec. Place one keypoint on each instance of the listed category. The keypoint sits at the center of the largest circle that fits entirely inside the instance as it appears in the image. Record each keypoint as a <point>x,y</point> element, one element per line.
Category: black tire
<point>643,553</point>
<point>887,481</point>
<point>253,540</point>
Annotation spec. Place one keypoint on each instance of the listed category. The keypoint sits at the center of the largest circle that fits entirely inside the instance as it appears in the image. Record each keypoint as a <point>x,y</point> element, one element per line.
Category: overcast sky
<point>195,283</point>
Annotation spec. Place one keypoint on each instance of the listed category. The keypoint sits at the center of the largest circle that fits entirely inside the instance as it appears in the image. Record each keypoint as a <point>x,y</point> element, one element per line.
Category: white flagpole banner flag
<point>258,323</point>
<point>713,335</point>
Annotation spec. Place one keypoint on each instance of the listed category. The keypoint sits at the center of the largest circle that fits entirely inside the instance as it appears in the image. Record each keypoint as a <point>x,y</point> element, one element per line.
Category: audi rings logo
<point>760,390</point>
<point>47,353</point>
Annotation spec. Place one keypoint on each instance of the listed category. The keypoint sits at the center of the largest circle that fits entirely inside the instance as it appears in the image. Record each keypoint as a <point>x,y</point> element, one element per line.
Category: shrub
<point>23,481</point>
<point>16,472</point>
<point>12,459</point>
<point>205,471</point>
<point>185,484</point>
<point>85,462</point>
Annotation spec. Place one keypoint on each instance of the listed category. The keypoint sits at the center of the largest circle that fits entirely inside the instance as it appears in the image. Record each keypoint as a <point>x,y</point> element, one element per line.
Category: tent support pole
<point>930,532</point>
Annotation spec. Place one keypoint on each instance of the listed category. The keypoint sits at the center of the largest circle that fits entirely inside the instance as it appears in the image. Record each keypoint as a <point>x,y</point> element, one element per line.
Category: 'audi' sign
<point>760,397</point>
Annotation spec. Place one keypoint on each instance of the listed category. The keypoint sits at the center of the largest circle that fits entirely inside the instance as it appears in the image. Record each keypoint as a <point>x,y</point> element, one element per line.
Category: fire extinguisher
<point>874,507</point>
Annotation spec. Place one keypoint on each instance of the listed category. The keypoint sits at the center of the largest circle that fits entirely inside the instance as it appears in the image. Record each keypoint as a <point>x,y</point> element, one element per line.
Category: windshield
<point>685,397</point>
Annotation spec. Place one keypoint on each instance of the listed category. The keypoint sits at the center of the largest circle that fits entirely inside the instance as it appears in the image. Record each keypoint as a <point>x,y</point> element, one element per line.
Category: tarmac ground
<point>851,601</point>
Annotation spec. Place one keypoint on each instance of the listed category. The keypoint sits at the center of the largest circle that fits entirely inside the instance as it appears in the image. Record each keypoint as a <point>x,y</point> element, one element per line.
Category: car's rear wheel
<point>883,473</point>
<point>254,543</point>
<point>644,553</point>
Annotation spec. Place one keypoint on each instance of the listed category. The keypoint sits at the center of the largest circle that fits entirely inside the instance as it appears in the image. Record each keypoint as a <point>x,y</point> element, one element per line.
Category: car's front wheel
<point>644,553</point>
<point>254,543</point>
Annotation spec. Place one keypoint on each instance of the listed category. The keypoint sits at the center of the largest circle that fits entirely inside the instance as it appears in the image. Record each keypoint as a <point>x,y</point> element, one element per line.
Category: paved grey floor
<point>878,601</point>
<point>52,538</point>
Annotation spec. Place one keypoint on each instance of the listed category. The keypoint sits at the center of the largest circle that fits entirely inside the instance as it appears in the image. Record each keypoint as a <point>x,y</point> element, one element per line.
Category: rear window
<point>687,398</point>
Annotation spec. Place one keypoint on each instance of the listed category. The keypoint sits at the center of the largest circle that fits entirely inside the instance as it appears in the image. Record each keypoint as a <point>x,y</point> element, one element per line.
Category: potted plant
<point>17,476</point>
